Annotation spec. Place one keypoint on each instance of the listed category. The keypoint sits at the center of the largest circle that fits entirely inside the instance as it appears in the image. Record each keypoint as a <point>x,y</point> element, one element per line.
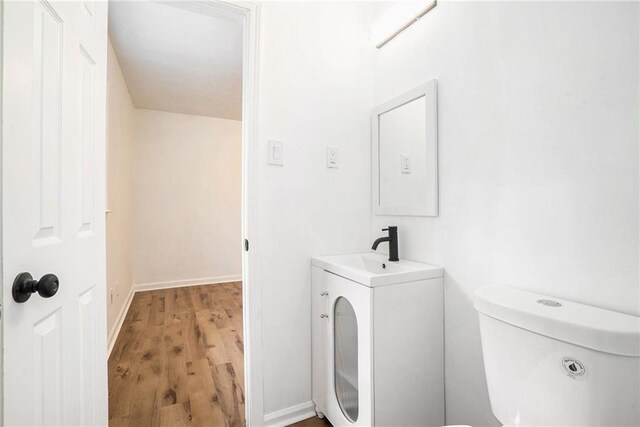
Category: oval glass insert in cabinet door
<point>346,358</point>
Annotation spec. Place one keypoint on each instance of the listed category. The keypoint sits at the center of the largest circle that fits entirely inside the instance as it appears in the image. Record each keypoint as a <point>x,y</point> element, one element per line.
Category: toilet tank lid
<point>584,325</point>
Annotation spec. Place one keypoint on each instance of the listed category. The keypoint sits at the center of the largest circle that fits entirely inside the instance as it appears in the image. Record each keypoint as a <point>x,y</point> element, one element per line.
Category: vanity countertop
<point>372,269</point>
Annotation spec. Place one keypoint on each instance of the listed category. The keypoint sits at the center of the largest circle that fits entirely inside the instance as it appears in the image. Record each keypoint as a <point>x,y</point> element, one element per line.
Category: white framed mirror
<point>405,153</point>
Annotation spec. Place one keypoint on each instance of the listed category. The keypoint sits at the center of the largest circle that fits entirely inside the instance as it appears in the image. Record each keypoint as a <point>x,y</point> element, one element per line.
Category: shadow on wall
<point>464,367</point>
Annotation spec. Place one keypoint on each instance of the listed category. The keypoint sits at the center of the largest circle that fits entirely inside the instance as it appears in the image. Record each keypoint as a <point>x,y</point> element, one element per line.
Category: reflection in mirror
<point>405,154</point>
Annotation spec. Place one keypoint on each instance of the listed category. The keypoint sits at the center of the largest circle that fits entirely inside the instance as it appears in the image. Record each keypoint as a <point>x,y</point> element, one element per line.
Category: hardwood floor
<point>178,360</point>
<point>313,422</point>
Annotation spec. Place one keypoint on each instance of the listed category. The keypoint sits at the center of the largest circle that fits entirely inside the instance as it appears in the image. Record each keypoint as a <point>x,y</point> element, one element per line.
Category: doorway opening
<point>178,213</point>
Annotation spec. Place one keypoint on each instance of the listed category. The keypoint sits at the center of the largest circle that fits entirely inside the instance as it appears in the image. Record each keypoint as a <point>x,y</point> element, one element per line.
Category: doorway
<point>53,156</point>
<point>174,221</point>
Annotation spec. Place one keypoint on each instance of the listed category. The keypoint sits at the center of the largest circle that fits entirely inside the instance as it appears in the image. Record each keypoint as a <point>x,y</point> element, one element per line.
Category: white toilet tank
<point>551,362</point>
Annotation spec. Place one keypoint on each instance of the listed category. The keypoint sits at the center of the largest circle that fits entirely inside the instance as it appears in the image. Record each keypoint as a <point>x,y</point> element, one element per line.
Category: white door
<point>53,179</point>
<point>349,375</point>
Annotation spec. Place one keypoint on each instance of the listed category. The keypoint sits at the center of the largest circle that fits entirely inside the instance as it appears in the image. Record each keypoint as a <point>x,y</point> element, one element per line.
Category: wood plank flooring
<point>313,422</point>
<point>178,360</point>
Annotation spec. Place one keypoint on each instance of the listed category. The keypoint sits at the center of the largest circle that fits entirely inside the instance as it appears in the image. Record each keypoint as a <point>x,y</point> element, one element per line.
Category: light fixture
<point>397,19</point>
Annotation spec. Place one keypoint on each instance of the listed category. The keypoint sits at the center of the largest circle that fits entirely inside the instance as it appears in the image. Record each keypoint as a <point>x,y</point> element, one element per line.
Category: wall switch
<point>332,157</point>
<point>405,164</point>
<point>276,153</point>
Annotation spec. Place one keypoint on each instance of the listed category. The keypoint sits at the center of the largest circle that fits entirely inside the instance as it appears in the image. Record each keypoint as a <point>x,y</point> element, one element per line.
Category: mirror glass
<point>405,154</point>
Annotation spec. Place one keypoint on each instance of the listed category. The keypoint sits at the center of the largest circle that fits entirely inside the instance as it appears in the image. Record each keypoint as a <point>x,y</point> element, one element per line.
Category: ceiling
<point>178,60</point>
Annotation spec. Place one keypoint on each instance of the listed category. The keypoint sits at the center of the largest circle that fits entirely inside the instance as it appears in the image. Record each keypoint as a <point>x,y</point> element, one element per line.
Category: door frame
<point>251,289</point>
<point>2,281</point>
<point>248,14</point>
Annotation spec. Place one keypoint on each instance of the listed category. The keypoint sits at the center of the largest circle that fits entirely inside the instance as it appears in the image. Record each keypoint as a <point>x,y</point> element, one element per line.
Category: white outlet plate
<point>276,153</point>
<point>332,157</point>
<point>405,163</point>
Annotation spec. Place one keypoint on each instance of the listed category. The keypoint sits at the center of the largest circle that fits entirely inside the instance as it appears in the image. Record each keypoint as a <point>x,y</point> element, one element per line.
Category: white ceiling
<point>177,60</point>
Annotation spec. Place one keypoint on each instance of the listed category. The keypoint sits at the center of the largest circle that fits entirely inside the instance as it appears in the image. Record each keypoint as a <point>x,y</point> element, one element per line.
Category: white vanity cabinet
<point>377,343</point>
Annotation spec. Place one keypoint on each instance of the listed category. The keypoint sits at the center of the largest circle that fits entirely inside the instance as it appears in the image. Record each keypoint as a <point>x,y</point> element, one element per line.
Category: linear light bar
<point>397,19</point>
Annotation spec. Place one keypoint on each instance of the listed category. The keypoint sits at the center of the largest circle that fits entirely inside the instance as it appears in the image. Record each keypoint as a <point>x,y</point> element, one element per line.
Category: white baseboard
<point>182,283</point>
<point>290,415</point>
<point>115,330</point>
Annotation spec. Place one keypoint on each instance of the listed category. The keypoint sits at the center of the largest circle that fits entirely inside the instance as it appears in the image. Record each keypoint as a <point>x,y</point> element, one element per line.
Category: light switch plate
<point>276,152</point>
<point>332,157</point>
<point>405,163</point>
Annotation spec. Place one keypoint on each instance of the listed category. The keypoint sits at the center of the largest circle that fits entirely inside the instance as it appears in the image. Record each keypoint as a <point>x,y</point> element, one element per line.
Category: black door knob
<point>24,286</point>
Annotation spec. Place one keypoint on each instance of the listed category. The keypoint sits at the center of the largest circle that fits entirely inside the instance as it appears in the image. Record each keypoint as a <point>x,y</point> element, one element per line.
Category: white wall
<point>187,198</point>
<point>120,143</point>
<point>174,195</point>
<point>538,164</point>
<point>538,139</point>
<point>315,91</point>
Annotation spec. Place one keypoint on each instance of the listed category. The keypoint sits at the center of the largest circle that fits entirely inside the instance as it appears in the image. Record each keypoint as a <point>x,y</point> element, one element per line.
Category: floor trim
<point>182,283</point>
<point>290,415</point>
<point>115,330</point>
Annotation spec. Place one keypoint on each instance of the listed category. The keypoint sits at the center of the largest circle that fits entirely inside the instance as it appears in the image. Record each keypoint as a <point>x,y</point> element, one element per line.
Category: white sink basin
<point>371,269</point>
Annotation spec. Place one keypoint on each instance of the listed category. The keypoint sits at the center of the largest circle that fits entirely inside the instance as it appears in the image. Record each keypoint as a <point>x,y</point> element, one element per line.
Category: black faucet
<point>392,238</point>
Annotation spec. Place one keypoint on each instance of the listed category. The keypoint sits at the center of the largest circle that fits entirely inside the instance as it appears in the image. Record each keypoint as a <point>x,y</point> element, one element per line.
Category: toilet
<point>552,362</point>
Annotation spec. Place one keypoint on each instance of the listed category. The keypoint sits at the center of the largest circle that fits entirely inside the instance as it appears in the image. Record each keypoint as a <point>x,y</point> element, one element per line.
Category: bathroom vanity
<point>377,341</point>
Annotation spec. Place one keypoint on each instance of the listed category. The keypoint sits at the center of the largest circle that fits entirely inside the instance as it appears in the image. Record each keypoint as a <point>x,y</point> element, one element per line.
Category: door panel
<point>47,364</point>
<point>88,357</point>
<point>47,120</point>
<point>53,155</point>
<point>88,137</point>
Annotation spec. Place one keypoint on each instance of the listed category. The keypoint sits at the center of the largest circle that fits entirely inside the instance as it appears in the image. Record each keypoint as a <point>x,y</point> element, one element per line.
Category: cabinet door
<point>349,392</point>
<point>319,337</point>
